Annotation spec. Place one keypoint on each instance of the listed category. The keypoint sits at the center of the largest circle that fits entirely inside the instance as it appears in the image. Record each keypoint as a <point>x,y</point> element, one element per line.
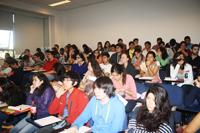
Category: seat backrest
<point>175,94</point>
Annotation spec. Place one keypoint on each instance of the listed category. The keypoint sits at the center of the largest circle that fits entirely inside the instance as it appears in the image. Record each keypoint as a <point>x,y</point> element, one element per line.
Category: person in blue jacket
<point>105,110</point>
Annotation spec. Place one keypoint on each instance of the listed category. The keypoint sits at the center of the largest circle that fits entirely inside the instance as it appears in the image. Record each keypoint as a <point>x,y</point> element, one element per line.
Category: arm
<point>162,62</point>
<point>194,125</point>
<point>57,105</point>
<point>153,70</point>
<point>46,99</point>
<point>86,114</point>
<point>174,71</point>
<point>132,90</point>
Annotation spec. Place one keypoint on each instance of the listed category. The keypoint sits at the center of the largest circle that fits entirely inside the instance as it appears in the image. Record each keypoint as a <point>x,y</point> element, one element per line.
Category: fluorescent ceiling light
<point>60,3</point>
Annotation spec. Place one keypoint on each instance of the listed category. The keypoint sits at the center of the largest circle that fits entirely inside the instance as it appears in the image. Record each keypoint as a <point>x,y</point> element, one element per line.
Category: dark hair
<point>42,77</point>
<point>148,42</point>
<point>164,54</point>
<point>73,76</point>
<point>106,43</point>
<point>119,69</point>
<point>187,37</point>
<point>81,56</point>
<point>119,45</point>
<point>106,54</point>
<point>175,60</point>
<point>11,61</point>
<point>96,67</point>
<point>106,84</point>
<point>152,53</point>
<point>60,70</point>
<point>86,49</point>
<point>195,45</point>
<point>120,39</point>
<point>161,113</point>
<point>62,51</point>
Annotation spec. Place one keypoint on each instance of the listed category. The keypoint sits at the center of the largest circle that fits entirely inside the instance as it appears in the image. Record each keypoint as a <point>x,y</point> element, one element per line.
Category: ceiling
<point>73,4</point>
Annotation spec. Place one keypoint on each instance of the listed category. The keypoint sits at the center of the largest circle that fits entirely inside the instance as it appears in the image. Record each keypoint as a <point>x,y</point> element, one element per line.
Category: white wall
<point>127,19</point>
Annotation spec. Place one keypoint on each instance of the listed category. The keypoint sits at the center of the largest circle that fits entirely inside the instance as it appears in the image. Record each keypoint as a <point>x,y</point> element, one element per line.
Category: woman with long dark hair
<point>179,69</point>
<point>154,114</point>
<point>40,96</point>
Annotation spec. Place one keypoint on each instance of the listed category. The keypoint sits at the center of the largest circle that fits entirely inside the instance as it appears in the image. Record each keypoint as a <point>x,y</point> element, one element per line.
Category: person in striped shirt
<point>153,115</point>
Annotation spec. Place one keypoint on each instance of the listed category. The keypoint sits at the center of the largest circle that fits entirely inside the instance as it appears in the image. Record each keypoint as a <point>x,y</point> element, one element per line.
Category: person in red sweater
<point>68,103</point>
<point>51,60</point>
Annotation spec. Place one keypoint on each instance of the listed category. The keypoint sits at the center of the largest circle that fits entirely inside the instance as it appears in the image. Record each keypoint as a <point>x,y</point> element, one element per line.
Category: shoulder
<point>165,128</point>
<point>129,77</point>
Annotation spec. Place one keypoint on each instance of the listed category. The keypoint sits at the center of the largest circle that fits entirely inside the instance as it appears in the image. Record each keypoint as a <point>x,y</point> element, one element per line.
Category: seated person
<point>153,115</point>
<point>11,95</point>
<point>105,65</point>
<point>125,85</point>
<point>179,69</point>
<point>150,68</point>
<point>105,110</point>
<point>69,101</point>
<point>40,96</point>
<point>80,67</point>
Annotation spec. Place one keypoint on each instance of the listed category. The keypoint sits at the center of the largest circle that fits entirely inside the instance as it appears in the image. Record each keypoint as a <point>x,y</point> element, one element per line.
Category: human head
<point>80,57</point>
<point>195,49</point>
<point>99,46</point>
<point>137,52</point>
<point>7,55</point>
<point>27,52</point>
<point>107,44</point>
<point>135,41</point>
<point>156,108</point>
<point>151,56</point>
<point>187,39</point>
<point>159,39</point>
<point>36,57</point>
<point>105,57</point>
<point>131,45</point>
<point>118,73</point>
<point>41,82</point>
<point>124,58</point>
<point>103,86</point>
<point>113,48</point>
<point>50,55</point>
<point>147,45</point>
<point>157,99</point>
<point>120,40</point>
<point>183,45</point>
<point>70,80</point>
<point>119,48</point>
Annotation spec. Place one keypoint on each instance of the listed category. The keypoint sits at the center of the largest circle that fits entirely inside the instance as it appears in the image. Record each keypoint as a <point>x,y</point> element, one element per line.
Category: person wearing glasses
<point>80,67</point>
<point>179,69</point>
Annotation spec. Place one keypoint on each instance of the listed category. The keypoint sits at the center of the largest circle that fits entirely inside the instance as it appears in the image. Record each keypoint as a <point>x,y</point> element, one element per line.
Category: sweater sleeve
<point>161,61</point>
<point>57,105</point>
<point>132,86</point>
<point>86,114</point>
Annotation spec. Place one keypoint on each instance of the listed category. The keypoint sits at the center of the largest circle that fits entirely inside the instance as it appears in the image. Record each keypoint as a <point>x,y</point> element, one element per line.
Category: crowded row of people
<point>90,92</point>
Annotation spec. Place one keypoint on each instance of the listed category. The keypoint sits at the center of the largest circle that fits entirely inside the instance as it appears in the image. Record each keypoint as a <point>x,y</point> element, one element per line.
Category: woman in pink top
<point>125,85</point>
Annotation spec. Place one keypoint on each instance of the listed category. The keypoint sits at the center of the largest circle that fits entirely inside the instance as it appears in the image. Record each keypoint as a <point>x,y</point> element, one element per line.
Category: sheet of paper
<point>122,99</point>
<point>82,129</point>
<point>47,120</point>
